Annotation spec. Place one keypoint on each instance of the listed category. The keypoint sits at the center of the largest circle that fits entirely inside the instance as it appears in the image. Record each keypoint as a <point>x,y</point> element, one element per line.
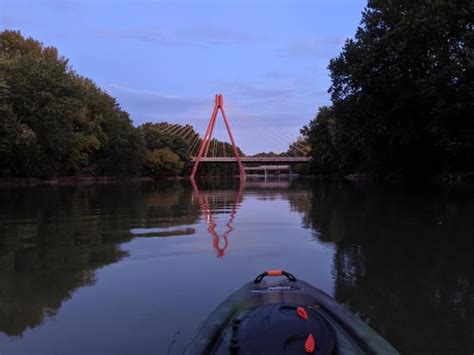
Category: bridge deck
<point>267,167</point>
<point>286,160</point>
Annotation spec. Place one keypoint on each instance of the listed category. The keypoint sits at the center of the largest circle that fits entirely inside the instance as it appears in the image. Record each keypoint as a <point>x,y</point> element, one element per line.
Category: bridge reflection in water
<point>74,277</point>
<point>204,198</point>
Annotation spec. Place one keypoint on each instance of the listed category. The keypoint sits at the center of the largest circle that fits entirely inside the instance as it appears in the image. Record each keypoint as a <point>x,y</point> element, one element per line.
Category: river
<point>135,267</point>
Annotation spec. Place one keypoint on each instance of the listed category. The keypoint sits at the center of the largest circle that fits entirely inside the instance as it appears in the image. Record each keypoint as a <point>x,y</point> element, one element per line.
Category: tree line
<point>57,123</point>
<point>402,93</point>
<point>402,102</point>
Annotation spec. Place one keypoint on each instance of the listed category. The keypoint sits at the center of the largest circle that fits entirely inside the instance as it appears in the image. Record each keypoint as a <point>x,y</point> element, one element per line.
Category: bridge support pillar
<point>206,141</point>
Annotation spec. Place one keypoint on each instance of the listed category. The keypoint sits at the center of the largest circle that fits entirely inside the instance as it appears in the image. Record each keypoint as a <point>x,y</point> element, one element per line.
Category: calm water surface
<point>121,269</point>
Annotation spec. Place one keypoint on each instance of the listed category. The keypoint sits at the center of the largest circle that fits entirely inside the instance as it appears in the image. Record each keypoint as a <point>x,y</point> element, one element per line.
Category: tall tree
<point>57,123</point>
<point>403,90</point>
<point>18,145</point>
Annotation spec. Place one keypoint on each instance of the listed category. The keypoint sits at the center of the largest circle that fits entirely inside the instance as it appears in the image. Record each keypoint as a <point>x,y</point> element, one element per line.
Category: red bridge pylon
<point>204,147</point>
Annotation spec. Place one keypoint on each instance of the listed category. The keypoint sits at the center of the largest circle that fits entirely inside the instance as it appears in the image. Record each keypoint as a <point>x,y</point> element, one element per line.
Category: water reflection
<point>207,201</point>
<point>161,232</point>
<point>52,240</point>
<point>403,260</point>
<point>399,257</point>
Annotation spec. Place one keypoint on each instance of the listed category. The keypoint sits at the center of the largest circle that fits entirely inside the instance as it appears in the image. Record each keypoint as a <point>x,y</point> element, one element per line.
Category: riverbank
<point>70,181</point>
<point>448,178</point>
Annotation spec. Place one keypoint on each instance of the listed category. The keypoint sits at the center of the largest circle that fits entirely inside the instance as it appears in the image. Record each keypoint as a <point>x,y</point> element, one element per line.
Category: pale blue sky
<point>165,60</point>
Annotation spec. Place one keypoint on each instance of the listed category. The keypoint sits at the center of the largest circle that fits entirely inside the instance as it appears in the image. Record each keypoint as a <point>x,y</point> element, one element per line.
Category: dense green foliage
<point>54,122</point>
<point>402,92</point>
<point>165,152</point>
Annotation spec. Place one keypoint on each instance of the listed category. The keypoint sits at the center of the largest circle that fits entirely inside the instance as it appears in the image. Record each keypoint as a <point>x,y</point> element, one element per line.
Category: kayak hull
<point>353,335</point>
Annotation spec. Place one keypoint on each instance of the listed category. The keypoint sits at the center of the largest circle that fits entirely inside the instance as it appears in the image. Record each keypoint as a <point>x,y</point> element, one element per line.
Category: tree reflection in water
<point>52,240</point>
<point>403,260</point>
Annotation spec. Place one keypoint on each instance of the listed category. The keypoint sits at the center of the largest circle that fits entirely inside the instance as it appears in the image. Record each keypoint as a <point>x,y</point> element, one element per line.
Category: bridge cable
<point>169,127</point>
<point>267,130</point>
<point>181,130</point>
<point>280,132</point>
<point>173,130</point>
<point>271,138</point>
<point>300,147</point>
<point>280,135</point>
<point>186,132</point>
<point>188,136</point>
<point>214,148</point>
<point>195,144</point>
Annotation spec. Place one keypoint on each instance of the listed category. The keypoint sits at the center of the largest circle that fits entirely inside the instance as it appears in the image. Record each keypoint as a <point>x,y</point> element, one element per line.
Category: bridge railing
<point>283,160</point>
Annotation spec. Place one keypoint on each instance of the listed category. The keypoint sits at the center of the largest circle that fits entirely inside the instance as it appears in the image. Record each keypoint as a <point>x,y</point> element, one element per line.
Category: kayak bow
<point>284,316</point>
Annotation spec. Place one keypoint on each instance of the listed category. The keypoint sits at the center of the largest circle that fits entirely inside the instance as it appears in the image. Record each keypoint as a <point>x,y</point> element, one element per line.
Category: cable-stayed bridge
<point>245,159</point>
<point>205,149</point>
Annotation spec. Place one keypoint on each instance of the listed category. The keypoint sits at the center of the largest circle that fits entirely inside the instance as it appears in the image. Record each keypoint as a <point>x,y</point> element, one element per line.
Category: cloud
<point>147,105</point>
<point>154,94</point>
<point>199,36</point>
<point>50,4</point>
<point>217,36</point>
<point>275,74</point>
<point>255,91</point>
<point>9,21</point>
<point>313,46</point>
<point>150,36</point>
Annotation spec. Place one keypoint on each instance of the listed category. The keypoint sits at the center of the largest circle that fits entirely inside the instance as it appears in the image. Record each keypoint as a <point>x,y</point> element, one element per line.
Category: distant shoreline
<point>73,181</point>
<point>448,178</point>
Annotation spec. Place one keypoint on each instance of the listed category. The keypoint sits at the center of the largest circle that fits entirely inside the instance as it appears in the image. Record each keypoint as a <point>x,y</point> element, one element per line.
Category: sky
<point>164,60</point>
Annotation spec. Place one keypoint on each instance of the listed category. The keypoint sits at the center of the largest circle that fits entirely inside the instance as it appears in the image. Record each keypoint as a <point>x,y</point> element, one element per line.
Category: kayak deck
<point>353,336</point>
